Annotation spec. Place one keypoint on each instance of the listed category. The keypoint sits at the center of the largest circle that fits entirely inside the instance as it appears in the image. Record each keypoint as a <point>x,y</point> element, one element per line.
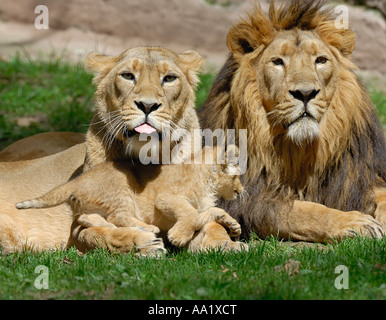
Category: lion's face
<point>290,65</point>
<point>295,73</point>
<point>148,91</point>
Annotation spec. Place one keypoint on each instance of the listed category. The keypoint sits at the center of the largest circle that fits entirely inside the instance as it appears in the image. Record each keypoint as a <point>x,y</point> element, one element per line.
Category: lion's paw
<point>380,214</point>
<point>355,223</point>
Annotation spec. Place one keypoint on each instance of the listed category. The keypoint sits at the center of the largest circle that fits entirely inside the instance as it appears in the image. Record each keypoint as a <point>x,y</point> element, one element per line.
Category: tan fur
<point>166,196</point>
<point>109,136</point>
<point>45,229</point>
<point>106,140</point>
<point>40,145</point>
<point>329,160</point>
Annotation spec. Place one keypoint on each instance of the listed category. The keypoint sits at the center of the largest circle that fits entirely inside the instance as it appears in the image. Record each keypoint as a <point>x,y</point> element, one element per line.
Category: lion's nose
<point>304,95</point>
<point>147,107</point>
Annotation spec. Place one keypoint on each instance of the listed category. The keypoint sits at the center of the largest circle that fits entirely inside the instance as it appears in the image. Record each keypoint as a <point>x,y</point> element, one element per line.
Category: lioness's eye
<point>321,60</point>
<point>278,62</point>
<point>128,76</point>
<point>169,78</point>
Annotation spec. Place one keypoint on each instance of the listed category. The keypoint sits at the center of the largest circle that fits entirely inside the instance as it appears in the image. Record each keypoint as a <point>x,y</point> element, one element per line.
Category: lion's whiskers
<point>244,195</point>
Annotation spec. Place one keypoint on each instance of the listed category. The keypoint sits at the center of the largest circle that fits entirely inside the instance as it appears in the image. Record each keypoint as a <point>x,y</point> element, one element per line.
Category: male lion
<point>316,149</point>
<point>144,92</point>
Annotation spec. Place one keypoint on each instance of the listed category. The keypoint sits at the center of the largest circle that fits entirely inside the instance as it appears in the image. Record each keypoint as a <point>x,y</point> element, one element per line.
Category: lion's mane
<point>340,168</point>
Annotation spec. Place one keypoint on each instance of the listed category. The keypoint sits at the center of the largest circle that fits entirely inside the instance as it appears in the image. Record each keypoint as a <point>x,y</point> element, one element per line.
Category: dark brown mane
<point>305,15</point>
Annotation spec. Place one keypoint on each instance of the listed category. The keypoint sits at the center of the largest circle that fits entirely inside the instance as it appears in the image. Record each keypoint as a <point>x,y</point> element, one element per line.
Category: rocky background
<point>77,27</point>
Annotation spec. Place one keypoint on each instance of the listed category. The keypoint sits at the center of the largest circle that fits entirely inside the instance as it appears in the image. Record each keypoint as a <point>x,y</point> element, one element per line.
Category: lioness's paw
<point>230,223</point>
<point>93,220</point>
<point>149,228</point>
<point>147,244</point>
<point>179,236</point>
<point>234,246</point>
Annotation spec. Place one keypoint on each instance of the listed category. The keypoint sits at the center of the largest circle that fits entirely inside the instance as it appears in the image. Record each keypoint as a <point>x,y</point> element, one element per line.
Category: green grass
<point>379,99</point>
<point>257,274</point>
<point>60,95</point>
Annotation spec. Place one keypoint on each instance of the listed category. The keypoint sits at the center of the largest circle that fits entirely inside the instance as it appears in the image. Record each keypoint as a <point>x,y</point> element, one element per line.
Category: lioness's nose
<point>147,107</point>
<point>304,95</point>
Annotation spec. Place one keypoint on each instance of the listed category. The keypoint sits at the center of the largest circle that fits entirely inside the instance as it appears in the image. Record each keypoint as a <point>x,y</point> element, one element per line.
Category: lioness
<point>144,91</point>
<point>179,199</point>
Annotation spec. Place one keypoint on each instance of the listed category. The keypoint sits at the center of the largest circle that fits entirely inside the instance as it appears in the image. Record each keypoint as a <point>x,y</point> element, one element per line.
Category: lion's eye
<point>321,60</point>
<point>278,62</point>
<point>169,78</point>
<point>128,76</point>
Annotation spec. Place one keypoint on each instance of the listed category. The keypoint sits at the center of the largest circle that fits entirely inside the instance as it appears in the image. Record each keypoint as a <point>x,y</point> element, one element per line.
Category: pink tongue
<point>145,128</point>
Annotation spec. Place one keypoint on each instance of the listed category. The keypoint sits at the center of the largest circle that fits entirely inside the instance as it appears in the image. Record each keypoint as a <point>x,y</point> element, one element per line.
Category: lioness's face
<point>148,85</point>
<point>148,91</point>
<point>296,74</point>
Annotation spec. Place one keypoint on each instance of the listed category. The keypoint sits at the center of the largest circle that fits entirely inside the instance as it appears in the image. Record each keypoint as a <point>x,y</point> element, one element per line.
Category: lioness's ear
<point>98,63</point>
<point>191,63</point>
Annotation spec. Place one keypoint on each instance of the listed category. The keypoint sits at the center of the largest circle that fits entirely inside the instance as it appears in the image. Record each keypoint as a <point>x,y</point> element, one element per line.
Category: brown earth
<point>77,27</point>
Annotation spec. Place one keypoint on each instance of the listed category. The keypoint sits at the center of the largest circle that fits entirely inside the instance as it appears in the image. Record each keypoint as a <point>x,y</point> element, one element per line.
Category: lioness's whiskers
<point>107,122</point>
<point>112,129</point>
<point>115,128</point>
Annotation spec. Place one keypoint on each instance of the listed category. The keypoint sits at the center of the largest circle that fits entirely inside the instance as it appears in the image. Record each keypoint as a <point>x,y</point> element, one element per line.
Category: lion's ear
<point>242,39</point>
<point>248,35</point>
<point>191,63</point>
<point>100,63</point>
<point>342,39</point>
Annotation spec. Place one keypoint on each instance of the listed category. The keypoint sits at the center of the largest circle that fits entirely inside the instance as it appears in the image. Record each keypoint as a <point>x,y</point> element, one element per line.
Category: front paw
<point>149,228</point>
<point>380,214</point>
<point>147,244</point>
<point>179,235</point>
<point>355,223</point>
<point>230,223</point>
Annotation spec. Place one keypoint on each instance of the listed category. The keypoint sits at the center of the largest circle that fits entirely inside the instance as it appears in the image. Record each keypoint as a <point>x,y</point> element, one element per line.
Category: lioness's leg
<point>222,217</point>
<point>309,221</point>
<point>124,219</point>
<point>212,236</point>
<point>186,215</point>
<point>116,240</point>
<point>380,211</point>
<point>93,220</point>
